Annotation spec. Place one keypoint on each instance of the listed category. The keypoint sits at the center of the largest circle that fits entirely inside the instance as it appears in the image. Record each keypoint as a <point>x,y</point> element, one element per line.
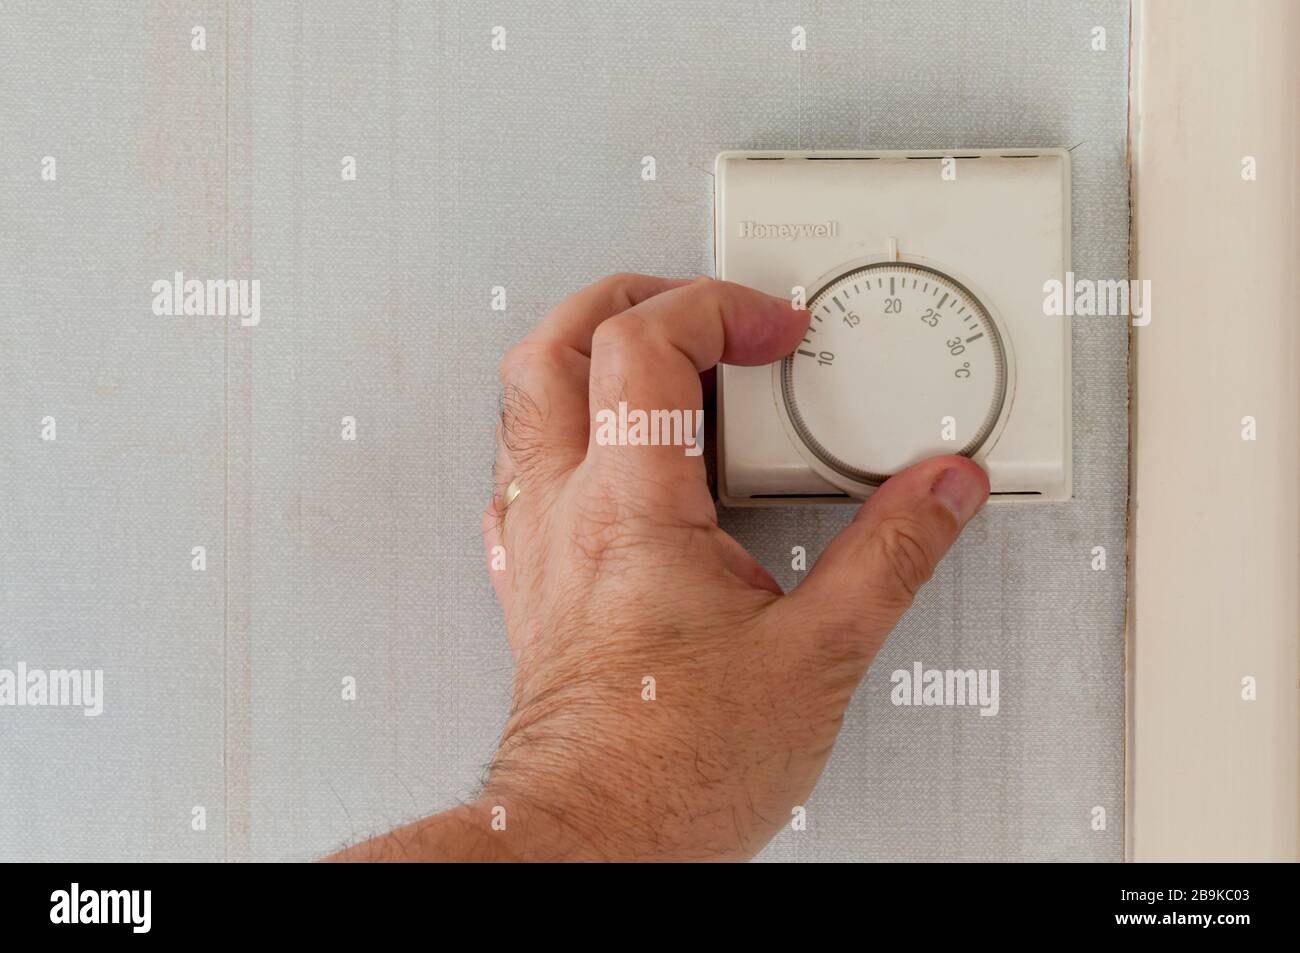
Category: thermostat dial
<point>901,362</point>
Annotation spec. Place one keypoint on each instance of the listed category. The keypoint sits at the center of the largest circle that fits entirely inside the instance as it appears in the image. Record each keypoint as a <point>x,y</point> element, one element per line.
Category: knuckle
<point>902,546</point>
<point>709,290</point>
<point>538,359</point>
<point>618,287</point>
<point>622,332</point>
<point>716,297</point>
<point>512,362</point>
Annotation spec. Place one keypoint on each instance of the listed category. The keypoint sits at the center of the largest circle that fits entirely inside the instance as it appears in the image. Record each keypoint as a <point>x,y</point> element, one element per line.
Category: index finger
<point>650,358</point>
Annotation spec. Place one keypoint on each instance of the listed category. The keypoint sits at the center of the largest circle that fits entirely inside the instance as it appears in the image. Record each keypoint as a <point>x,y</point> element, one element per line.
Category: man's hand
<point>616,572</point>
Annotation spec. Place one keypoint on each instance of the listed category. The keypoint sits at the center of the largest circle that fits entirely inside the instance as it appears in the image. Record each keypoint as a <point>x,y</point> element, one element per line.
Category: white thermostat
<point>924,273</point>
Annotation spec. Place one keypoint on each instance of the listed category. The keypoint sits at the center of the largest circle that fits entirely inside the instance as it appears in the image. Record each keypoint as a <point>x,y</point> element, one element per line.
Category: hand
<point>615,571</point>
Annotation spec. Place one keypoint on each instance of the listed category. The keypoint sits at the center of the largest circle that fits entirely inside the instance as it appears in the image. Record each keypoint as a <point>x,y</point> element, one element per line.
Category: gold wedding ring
<point>512,491</point>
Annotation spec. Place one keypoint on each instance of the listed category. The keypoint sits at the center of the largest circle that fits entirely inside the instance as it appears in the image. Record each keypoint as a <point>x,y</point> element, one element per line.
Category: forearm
<point>462,834</point>
<point>483,830</point>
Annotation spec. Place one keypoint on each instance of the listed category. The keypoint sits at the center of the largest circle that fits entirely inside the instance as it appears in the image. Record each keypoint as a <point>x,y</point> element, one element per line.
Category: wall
<point>329,559</point>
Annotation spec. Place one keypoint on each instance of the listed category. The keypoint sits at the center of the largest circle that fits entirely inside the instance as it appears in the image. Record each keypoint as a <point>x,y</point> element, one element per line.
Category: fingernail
<point>961,491</point>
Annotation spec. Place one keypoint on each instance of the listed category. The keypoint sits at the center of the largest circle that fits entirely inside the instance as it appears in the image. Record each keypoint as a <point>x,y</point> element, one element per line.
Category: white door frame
<point>1214,562</point>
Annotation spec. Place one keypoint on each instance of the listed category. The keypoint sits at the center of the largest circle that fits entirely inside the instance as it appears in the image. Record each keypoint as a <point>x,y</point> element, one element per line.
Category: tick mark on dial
<point>974,337</point>
<point>806,353</point>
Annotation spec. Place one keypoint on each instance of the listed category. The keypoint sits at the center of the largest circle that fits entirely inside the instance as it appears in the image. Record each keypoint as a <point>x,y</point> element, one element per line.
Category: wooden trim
<point>1215,519</point>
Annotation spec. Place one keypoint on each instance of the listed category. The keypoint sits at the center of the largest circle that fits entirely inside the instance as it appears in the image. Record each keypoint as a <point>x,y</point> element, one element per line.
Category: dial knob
<point>901,362</point>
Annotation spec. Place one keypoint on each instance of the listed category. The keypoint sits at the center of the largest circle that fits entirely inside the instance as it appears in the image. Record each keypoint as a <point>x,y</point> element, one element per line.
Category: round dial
<point>901,362</point>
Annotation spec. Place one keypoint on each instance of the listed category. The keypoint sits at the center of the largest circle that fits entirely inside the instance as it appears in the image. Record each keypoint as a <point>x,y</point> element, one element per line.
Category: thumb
<point>867,577</point>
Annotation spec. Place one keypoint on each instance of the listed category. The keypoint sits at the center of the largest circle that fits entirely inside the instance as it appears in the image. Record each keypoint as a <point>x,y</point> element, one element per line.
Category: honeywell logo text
<point>789,231</point>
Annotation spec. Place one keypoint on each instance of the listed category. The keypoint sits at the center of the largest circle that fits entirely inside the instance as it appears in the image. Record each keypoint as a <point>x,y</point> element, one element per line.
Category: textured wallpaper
<point>181,506</point>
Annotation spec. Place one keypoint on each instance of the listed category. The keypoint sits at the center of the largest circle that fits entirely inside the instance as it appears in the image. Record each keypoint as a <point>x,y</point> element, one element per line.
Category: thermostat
<point>924,275</point>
